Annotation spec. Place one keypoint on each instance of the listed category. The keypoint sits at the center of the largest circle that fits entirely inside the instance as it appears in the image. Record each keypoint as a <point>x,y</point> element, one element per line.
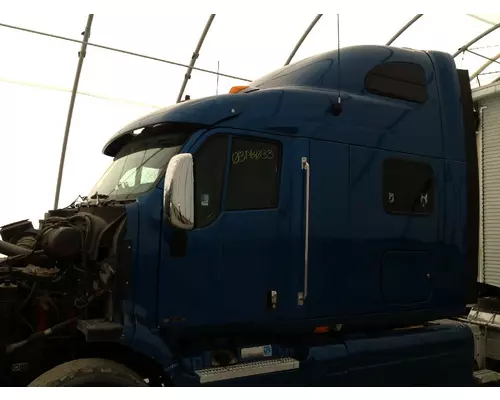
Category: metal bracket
<point>300,298</point>
<point>304,163</point>
<point>274,298</point>
<point>100,331</point>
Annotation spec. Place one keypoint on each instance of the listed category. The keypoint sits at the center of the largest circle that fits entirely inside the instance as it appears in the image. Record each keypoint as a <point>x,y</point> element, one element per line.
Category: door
<point>187,273</point>
<point>239,246</point>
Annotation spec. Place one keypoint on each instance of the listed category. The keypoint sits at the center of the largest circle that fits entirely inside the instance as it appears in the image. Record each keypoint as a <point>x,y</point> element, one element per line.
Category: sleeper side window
<point>398,80</point>
<point>209,171</point>
<point>254,174</point>
<point>408,187</point>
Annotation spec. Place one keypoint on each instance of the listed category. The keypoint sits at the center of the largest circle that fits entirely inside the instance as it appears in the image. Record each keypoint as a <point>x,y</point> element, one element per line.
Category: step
<point>246,369</point>
<point>99,330</point>
<point>485,376</point>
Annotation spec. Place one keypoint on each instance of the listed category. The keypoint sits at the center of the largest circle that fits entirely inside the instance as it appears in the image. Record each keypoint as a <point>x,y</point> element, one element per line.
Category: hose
<point>40,335</point>
<point>10,249</point>
<point>47,332</point>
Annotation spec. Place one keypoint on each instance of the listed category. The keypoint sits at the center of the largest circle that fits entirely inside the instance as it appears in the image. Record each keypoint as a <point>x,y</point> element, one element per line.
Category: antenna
<point>217,87</point>
<point>337,108</point>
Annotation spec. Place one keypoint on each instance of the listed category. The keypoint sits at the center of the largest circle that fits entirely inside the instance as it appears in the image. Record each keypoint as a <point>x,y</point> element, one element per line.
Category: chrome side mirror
<point>178,194</point>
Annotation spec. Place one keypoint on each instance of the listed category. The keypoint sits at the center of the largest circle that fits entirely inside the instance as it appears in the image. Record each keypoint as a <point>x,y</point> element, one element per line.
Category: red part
<point>41,320</point>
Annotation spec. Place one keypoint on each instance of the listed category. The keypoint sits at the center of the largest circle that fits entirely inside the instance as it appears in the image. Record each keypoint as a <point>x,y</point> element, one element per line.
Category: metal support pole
<point>195,56</point>
<point>476,39</point>
<point>81,56</point>
<point>480,55</point>
<point>301,40</point>
<point>403,29</point>
<point>484,66</point>
<point>477,17</point>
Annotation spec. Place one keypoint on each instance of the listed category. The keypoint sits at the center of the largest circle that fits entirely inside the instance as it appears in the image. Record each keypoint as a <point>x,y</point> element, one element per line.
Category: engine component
<point>8,298</point>
<point>55,275</point>
<point>40,335</point>
<point>12,231</point>
<point>62,241</point>
<point>28,240</point>
<point>33,270</point>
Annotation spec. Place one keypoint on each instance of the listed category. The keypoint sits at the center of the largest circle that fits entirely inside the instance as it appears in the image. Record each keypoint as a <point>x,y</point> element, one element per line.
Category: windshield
<point>137,167</point>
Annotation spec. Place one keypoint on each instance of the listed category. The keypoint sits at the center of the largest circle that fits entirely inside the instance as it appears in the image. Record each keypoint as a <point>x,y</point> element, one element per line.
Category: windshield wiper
<point>75,202</point>
<point>98,196</point>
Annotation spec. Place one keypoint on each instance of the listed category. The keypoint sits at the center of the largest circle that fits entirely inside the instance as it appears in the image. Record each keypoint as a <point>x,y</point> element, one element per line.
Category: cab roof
<point>317,75</point>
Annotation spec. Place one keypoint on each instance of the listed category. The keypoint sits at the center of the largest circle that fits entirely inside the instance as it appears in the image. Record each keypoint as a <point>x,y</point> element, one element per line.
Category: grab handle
<point>307,168</point>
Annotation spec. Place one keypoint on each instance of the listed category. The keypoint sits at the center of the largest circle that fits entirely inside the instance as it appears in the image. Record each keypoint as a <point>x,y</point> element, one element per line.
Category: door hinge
<point>300,298</point>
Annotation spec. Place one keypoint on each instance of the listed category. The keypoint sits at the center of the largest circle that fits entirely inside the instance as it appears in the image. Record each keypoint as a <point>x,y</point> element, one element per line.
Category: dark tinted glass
<point>408,187</point>
<point>209,168</point>
<point>253,174</point>
<point>398,80</point>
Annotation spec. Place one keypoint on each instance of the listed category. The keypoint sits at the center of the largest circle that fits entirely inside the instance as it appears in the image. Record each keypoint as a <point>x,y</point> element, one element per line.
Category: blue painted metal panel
<point>329,248</point>
<point>450,106</point>
<point>374,232</point>
<point>129,291</point>
<point>139,304</point>
<point>232,264</point>
<point>326,365</point>
<point>454,263</point>
<point>146,271</point>
<point>300,103</point>
<point>437,355</point>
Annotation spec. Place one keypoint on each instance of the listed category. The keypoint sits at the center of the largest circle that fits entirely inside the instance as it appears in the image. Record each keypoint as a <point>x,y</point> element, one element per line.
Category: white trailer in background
<point>487,101</point>
<point>484,316</point>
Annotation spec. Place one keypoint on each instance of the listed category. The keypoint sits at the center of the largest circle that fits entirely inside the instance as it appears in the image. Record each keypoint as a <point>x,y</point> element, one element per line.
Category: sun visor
<point>202,112</point>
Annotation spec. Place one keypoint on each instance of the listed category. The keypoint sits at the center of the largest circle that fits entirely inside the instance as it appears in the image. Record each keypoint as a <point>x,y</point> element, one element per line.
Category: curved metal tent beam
<point>481,19</point>
<point>484,66</point>
<point>403,29</point>
<point>195,56</point>
<point>476,39</point>
<point>81,57</point>
<point>301,40</point>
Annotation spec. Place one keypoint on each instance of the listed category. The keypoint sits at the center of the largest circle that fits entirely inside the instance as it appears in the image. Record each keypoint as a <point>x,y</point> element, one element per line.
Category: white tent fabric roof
<point>37,73</point>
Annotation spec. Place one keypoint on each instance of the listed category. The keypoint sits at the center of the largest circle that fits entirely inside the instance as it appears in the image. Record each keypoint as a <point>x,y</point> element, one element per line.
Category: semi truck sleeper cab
<point>282,236</point>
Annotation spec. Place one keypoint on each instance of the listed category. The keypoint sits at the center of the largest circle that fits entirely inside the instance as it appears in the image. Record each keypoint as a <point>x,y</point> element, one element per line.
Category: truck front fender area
<point>150,344</point>
<point>136,334</point>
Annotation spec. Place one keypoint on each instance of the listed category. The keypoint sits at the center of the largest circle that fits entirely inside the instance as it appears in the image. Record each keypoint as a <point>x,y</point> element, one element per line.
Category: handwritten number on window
<point>242,156</point>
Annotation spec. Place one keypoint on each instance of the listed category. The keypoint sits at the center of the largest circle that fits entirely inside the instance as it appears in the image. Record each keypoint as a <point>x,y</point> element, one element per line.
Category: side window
<point>254,172</point>
<point>408,187</point>
<point>209,168</point>
<point>398,80</point>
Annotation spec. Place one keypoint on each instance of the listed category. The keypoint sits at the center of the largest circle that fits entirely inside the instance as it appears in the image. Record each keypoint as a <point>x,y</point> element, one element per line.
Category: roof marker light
<point>237,89</point>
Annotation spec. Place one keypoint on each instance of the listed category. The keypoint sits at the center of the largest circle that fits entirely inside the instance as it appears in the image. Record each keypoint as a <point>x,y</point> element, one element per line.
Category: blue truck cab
<point>308,229</point>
